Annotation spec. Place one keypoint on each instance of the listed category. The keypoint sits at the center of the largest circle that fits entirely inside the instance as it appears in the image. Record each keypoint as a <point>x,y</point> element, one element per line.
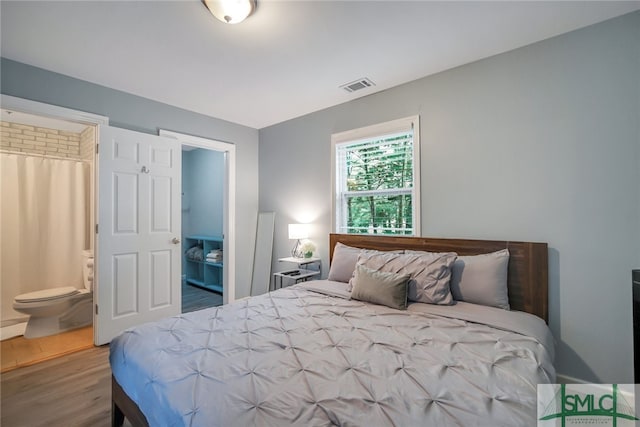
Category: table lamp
<point>297,232</point>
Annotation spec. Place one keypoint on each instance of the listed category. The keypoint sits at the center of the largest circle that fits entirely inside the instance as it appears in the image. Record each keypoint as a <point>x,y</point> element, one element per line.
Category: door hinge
<point>96,309</point>
<point>96,228</point>
<point>97,148</point>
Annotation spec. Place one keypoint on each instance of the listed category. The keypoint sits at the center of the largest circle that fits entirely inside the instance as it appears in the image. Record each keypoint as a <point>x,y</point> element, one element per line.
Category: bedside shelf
<point>300,261</point>
<point>297,275</point>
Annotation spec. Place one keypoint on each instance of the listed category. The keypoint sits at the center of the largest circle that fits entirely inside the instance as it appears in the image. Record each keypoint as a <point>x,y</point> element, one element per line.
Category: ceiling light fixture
<point>230,11</point>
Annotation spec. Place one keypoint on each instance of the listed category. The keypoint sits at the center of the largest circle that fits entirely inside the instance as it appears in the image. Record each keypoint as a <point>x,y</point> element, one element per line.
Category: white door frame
<point>229,204</point>
<point>53,111</point>
<point>62,113</point>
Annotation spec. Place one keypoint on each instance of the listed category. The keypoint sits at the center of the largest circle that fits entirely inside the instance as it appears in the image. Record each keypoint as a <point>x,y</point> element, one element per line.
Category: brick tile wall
<point>30,139</point>
<point>87,143</point>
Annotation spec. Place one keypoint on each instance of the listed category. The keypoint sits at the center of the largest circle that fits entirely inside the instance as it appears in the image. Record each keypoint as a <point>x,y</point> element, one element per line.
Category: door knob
<point>175,240</point>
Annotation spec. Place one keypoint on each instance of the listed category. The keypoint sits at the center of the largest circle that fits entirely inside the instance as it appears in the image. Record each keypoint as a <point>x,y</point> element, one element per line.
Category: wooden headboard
<point>528,270</point>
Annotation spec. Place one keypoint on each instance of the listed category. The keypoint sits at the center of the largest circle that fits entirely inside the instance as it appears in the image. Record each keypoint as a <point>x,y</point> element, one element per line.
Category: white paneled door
<point>138,247</point>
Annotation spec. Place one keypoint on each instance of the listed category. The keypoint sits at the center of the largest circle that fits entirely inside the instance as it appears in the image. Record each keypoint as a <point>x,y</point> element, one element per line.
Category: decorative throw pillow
<point>380,287</point>
<point>430,273</point>
<point>482,279</point>
<point>344,261</point>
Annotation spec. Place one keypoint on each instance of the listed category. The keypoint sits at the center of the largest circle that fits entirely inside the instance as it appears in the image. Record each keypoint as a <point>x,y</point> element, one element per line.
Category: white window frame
<point>373,131</point>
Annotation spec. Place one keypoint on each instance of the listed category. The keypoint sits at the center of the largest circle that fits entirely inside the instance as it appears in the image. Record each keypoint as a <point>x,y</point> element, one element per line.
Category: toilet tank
<point>87,269</point>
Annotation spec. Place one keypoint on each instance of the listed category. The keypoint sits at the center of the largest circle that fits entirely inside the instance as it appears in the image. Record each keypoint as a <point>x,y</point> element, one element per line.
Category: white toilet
<point>56,310</point>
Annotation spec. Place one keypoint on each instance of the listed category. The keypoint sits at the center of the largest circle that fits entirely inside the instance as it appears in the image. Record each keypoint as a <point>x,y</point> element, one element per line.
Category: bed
<point>311,355</point>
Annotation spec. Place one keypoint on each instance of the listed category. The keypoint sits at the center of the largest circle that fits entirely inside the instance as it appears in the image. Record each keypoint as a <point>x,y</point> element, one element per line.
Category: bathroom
<point>46,227</point>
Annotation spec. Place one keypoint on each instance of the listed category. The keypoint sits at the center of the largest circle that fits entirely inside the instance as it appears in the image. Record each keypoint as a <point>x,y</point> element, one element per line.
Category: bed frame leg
<point>117,417</point>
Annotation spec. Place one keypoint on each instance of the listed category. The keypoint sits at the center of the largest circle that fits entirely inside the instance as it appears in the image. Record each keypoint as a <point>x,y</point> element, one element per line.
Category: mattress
<point>307,355</point>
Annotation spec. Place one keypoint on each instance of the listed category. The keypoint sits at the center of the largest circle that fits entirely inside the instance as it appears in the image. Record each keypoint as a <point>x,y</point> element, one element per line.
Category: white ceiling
<point>287,59</point>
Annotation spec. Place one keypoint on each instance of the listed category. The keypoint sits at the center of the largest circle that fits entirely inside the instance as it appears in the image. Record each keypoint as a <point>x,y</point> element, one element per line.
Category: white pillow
<point>481,279</point>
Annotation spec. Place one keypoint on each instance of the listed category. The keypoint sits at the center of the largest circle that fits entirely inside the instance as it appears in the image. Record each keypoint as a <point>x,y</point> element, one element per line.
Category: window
<point>376,177</point>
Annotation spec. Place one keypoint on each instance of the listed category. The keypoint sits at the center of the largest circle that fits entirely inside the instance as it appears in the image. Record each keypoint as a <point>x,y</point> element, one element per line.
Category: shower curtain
<point>44,216</point>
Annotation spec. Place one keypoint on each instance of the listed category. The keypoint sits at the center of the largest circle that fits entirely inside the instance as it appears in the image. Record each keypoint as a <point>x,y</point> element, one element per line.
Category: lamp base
<point>296,252</point>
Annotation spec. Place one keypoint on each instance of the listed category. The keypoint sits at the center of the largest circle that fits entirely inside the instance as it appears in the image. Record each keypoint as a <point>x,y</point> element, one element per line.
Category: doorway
<point>47,168</point>
<point>226,158</point>
<point>202,228</point>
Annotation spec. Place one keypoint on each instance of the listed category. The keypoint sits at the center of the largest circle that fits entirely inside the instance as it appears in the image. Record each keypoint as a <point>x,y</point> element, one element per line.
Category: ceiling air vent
<point>358,84</point>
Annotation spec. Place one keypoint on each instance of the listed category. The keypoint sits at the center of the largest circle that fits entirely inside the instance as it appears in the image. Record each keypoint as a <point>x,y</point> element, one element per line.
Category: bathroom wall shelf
<point>202,273</point>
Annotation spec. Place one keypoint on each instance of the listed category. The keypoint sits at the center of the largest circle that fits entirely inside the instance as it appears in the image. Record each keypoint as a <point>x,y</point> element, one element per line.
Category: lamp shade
<point>230,11</point>
<point>298,231</point>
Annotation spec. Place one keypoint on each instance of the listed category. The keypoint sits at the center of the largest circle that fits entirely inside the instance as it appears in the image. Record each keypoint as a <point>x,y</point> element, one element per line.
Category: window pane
<point>381,164</point>
<point>379,215</point>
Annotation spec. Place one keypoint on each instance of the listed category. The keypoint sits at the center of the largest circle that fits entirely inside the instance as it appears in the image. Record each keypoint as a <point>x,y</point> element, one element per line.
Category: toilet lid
<point>47,294</point>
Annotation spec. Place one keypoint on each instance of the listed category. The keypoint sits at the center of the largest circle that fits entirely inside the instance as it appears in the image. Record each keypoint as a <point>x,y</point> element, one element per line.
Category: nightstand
<point>306,269</point>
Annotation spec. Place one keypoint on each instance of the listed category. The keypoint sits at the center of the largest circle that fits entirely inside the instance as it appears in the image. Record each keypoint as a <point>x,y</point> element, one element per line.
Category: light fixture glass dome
<point>230,11</point>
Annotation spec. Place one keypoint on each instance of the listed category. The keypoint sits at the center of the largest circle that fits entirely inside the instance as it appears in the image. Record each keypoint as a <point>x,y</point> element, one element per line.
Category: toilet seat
<point>47,294</point>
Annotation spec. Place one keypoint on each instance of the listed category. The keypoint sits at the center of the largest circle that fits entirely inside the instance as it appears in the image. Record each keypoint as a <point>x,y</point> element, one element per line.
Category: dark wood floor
<point>194,298</point>
<point>72,390</point>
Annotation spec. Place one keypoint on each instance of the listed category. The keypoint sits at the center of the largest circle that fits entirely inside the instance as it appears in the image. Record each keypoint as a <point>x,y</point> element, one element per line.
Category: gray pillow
<point>430,273</point>
<point>482,279</point>
<point>380,287</point>
<point>344,261</point>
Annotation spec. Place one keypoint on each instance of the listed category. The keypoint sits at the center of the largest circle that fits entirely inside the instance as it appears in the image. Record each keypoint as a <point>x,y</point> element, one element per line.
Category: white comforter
<point>299,357</point>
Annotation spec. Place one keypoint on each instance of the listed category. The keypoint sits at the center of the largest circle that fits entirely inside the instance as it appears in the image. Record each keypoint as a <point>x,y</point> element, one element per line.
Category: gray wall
<point>202,192</point>
<point>140,114</point>
<point>538,144</point>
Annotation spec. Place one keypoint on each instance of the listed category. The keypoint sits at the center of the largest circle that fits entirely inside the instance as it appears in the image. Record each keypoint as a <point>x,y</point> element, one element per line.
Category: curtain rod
<point>44,156</point>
